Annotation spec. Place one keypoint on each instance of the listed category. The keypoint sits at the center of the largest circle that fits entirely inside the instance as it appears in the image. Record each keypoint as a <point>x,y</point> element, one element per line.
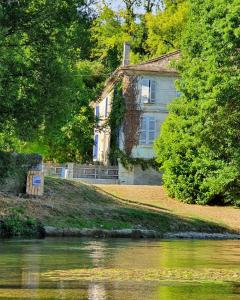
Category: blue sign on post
<point>36,180</point>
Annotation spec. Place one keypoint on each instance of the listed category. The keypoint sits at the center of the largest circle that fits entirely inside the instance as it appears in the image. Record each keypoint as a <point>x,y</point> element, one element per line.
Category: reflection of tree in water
<point>96,291</point>
<point>30,267</point>
<point>97,250</point>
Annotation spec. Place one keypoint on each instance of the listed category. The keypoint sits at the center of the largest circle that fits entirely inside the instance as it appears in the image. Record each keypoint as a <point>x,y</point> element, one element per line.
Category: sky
<point>116,5</point>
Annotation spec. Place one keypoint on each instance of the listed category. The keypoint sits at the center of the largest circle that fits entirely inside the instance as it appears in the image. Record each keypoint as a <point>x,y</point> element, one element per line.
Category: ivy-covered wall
<point>13,170</point>
<point>126,113</point>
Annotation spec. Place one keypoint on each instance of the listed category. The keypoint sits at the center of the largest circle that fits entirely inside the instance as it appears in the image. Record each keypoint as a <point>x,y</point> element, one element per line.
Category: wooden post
<point>35,183</point>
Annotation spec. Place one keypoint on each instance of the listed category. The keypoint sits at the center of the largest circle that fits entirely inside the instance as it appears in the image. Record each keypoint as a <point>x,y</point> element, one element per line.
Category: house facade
<point>154,83</point>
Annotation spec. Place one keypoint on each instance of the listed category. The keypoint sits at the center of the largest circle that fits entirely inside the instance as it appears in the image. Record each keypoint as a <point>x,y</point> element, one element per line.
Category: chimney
<point>126,53</point>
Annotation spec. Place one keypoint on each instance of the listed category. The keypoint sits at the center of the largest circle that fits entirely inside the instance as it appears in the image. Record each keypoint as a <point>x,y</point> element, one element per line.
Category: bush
<point>14,168</point>
<point>16,224</point>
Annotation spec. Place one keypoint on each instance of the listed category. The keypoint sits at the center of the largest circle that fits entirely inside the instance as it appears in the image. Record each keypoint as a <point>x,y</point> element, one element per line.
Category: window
<point>95,147</point>
<point>148,92</point>
<point>147,130</point>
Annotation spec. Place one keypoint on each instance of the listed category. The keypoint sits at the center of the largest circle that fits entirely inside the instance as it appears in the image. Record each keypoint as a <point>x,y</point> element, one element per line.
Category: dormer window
<point>148,91</point>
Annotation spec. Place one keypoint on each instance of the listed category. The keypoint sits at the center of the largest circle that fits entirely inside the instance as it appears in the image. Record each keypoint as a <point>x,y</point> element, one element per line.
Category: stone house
<point>154,86</point>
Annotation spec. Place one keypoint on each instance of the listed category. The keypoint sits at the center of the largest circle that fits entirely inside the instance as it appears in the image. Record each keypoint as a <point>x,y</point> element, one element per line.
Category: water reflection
<point>119,269</point>
<point>31,267</point>
<point>96,291</point>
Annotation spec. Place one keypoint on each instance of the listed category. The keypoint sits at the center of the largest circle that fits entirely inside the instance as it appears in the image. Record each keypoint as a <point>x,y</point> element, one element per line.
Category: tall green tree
<point>153,27</point>
<point>165,28</point>
<point>110,30</point>
<point>40,42</point>
<point>199,145</point>
<point>72,139</point>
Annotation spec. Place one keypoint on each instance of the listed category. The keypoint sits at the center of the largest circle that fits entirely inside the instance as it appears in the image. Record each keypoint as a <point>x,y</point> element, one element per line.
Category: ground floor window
<point>147,130</point>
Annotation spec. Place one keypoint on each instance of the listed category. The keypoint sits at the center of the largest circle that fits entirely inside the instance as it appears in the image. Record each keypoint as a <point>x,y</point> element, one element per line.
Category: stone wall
<point>138,176</point>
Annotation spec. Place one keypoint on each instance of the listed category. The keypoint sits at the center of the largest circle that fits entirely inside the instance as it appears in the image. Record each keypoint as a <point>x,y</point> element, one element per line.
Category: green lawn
<point>69,204</point>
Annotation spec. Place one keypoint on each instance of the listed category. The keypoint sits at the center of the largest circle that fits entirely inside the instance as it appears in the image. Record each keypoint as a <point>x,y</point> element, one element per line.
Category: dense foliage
<point>16,224</point>
<point>54,58</point>
<point>199,145</point>
<point>43,87</point>
<point>14,168</point>
<point>155,30</point>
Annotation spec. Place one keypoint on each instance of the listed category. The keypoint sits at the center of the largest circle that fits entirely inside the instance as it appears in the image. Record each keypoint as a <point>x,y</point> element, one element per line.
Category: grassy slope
<point>156,198</point>
<point>73,204</point>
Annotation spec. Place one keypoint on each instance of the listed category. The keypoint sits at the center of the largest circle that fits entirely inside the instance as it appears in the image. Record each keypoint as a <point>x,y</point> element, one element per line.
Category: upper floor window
<point>147,130</point>
<point>148,91</point>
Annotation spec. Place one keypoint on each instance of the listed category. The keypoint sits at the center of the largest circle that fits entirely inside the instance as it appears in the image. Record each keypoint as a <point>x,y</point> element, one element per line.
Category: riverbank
<point>136,233</point>
<point>72,206</point>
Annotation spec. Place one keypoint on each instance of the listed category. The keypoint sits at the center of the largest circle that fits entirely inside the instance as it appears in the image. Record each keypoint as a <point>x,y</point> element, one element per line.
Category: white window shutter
<point>153,91</point>
<point>145,93</point>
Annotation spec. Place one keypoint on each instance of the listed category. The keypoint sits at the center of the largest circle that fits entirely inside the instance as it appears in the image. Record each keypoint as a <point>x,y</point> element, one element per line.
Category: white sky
<point>116,5</point>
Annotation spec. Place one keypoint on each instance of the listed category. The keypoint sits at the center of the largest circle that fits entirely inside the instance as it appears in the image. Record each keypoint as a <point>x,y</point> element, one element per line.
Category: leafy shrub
<point>16,224</point>
<point>14,168</point>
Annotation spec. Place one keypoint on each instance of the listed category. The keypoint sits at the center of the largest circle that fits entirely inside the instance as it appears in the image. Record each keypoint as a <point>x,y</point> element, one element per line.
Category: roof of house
<point>160,64</point>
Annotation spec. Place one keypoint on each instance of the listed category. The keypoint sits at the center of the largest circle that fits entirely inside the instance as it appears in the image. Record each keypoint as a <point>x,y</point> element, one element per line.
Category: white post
<point>70,170</point>
<point>66,174</point>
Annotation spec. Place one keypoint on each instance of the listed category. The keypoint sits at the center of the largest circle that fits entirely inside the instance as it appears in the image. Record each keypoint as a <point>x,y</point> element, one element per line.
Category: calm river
<point>119,269</point>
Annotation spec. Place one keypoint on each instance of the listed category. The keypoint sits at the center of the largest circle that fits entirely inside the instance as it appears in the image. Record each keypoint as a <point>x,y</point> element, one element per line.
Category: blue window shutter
<point>151,130</point>
<point>95,147</point>
<point>143,131</point>
<point>97,111</point>
<point>153,91</point>
<point>178,94</point>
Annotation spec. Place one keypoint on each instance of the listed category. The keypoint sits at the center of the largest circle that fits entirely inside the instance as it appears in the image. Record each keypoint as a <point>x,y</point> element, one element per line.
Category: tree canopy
<point>54,58</point>
<point>41,82</point>
<point>199,145</point>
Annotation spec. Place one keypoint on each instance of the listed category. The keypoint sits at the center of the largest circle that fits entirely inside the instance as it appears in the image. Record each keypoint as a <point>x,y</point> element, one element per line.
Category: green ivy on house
<point>115,120</point>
